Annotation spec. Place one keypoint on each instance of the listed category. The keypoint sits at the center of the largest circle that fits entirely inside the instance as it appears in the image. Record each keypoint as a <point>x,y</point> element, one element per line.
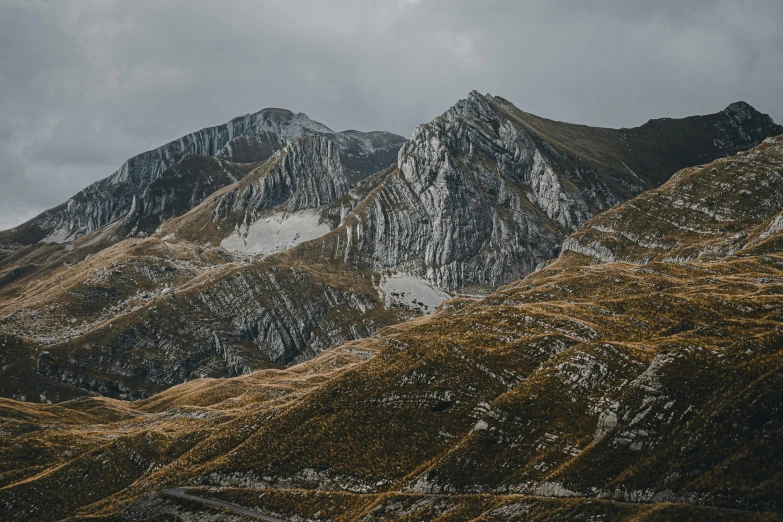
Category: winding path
<point>183,493</point>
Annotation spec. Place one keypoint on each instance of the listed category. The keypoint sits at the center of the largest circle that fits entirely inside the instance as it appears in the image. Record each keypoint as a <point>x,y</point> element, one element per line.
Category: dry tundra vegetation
<point>637,377</point>
<point>141,296</point>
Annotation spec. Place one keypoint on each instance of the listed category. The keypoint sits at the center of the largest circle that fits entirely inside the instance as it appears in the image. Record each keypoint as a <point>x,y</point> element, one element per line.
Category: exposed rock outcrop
<point>308,174</point>
<point>288,199</point>
<point>250,138</point>
<point>178,189</point>
<point>485,192</point>
<point>243,318</point>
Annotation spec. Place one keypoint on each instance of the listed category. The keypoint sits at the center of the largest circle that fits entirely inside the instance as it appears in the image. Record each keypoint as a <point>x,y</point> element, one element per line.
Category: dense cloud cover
<point>86,84</point>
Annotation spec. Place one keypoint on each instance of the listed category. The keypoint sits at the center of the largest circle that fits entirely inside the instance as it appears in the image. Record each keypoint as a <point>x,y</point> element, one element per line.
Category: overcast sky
<point>86,84</point>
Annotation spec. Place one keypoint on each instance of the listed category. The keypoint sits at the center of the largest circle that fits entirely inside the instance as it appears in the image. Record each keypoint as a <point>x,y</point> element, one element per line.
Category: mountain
<point>265,264</point>
<point>183,181</point>
<point>486,192</point>
<point>591,389</point>
<point>704,212</point>
<point>142,314</point>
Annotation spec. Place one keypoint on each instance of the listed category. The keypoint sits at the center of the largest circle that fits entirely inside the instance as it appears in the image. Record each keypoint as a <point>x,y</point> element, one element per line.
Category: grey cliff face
<point>248,317</point>
<point>474,202</point>
<point>248,139</point>
<point>110,198</point>
<point>485,192</point>
<point>178,189</point>
<point>488,196</point>
<point>308,174</point>
<point>290,198</point>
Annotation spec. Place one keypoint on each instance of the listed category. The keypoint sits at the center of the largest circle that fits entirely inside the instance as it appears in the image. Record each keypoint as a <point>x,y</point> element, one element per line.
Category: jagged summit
<point>742,108</point>
<point>485,191</point>
<point>249,138</point>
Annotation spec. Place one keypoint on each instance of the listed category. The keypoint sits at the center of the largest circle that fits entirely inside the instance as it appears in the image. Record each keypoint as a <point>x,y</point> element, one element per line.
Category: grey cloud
<point>86,84</point>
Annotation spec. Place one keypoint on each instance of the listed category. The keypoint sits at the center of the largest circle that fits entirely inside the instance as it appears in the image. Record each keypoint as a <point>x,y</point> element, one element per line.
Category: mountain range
<point>502,317</point>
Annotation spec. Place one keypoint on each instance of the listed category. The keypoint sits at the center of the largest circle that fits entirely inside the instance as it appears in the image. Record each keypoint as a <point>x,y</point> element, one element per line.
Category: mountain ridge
<point>110,198</point>
<point>487,169</point>
<point>286,258</point>
<point>610,390</point>
<point>689,217</point>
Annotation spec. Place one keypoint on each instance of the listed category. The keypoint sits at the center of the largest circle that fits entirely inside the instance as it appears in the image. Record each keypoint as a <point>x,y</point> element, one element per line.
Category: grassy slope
<point>685,357</point>
<point>539,362</point>
<point>706,212</point>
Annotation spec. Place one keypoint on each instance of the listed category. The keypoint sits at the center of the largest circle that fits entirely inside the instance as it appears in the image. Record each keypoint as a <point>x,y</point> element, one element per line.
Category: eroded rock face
<point>462,207</point>
<point>178,189</point>
<point>481,196</point>
<point>293,197</point>
<point>250,138</point>
<point>248,317</point>
<point>475,130</point>
<point>485,192</point>
<point>309,174</point>
<point>109,198</point>
<point>286,203</point>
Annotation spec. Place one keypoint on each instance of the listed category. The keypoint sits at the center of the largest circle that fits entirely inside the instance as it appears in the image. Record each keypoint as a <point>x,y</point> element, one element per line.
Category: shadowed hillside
<point>618,390</point>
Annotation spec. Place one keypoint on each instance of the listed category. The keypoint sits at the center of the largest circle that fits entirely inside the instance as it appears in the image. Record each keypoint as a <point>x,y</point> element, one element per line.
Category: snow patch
<point>277,232</point>
<point>57,236</point>
<point>413,292</point>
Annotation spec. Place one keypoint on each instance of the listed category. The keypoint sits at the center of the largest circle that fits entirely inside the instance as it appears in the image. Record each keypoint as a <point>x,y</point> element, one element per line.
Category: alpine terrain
<point>503,317</point>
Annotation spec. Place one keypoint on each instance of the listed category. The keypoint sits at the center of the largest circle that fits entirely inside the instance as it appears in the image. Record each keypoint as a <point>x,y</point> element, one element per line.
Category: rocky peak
<point>307,173</point>
<point>751,125</point>
<point>276,125</point>
<point>473,203</point>
<point>485,192</point>
<point>742,110</point>
<point>246,139</point>
<point>475,129</point>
